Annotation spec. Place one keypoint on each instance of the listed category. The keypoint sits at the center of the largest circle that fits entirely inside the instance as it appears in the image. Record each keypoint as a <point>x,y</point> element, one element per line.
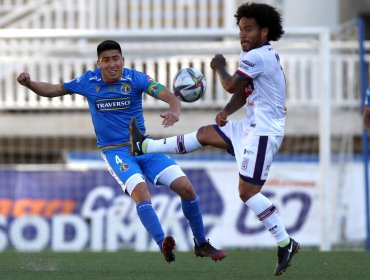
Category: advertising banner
<point>68,209</point>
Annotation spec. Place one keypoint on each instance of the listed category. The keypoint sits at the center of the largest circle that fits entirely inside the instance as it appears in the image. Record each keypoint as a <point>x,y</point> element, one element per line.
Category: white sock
<point>180,144</point>
<point>266,212</point>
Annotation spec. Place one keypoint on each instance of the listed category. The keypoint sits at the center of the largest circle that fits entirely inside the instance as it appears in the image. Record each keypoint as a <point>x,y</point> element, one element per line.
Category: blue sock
<point>150,221</point>
<point>192,213</point>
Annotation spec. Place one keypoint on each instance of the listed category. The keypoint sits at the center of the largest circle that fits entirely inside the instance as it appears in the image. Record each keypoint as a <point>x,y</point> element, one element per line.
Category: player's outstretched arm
<point>41,88</point>
<point>171,117</point>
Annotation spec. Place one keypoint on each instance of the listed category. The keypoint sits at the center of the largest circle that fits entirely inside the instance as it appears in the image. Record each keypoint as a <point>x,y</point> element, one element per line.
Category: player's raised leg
<point>136,138</point>
<point>180,144</point>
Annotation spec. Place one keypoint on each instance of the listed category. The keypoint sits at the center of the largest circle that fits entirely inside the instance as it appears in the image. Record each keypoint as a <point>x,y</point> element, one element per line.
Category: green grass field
<point>239,264</point>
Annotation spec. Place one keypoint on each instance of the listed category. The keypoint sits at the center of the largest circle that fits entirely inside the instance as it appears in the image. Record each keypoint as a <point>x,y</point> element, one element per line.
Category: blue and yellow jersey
<point>112,105</point>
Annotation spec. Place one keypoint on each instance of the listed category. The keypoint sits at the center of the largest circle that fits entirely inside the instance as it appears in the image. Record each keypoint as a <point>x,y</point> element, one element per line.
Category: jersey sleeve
<point>77,85</point>
<point>151,87</point>
<point>251,65</point>
<point>154,89</point>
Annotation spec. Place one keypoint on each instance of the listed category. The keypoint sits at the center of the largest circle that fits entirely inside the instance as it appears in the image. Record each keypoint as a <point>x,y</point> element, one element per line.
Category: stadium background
<point>54,189</point>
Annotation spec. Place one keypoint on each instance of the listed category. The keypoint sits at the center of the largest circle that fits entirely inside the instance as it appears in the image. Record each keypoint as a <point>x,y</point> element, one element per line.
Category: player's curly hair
<point>265,16</point>
<point>108,45</point>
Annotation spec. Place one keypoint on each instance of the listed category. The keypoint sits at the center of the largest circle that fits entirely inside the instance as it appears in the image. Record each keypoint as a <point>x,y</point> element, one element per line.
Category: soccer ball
<point>189,84</point>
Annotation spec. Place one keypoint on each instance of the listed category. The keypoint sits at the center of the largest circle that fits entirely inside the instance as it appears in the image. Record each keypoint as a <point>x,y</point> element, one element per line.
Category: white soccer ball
<point>189,84</point>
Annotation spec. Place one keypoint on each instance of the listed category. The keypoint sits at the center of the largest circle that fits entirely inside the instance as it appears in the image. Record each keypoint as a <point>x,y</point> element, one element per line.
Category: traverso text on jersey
<point>112,104</point>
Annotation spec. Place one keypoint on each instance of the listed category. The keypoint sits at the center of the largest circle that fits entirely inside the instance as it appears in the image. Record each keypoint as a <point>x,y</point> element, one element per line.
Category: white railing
<point>117,14</point>
<point>59,55</point>
<point>55,40</point>
<point>55,61</point>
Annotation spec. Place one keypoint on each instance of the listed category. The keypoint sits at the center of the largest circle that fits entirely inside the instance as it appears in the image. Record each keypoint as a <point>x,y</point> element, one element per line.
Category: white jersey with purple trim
<point>266,93</point>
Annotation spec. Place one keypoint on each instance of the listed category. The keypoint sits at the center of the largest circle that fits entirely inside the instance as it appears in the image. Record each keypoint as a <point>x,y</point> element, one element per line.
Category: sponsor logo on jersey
<point>248,152</point>
<point>266,171</point>
<point>94,78</point>
<point>126,78</point>
<point>267,167</point>
<point>111,88</point>
<point>246,64</point>
<point>125,88</point>
<point>112,104</point>
<point>149,78</point>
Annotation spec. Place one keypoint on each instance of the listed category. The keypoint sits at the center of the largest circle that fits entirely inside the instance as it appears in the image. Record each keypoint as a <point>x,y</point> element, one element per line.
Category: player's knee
<point>183,188</point>
<point>140,193</point>
<point>137,188</point>
<point>202,135</point>
<point>246,191</point>
<point>244,196</point>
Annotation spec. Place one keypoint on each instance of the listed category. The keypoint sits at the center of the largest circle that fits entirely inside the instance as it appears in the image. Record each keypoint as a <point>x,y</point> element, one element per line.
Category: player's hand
<point>169,119</point>
<point>221,118</point>
<point>218,62</point>
<point>366,119</point>
<point>24,79</point>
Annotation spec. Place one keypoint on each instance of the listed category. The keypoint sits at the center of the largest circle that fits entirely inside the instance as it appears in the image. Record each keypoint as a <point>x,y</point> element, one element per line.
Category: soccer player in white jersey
<point>259,85</point>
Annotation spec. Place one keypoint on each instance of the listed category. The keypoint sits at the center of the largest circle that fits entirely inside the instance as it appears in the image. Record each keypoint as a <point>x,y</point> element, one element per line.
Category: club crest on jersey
<point>249,88</point>
<point>124,167</point>
<point>125,88</point>
<point>245,163</point>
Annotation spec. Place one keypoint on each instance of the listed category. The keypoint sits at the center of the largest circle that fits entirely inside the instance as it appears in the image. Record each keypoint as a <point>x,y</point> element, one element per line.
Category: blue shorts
<point>123,165</point>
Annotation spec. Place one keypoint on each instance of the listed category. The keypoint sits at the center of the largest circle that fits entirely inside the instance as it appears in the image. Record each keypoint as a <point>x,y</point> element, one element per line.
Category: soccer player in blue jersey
<point>114,95</point>
<point>259,85</point>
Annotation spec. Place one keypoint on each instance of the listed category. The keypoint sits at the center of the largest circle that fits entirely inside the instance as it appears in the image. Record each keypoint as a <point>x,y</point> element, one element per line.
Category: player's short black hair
<point>108,45</point>
<point>265,16</point>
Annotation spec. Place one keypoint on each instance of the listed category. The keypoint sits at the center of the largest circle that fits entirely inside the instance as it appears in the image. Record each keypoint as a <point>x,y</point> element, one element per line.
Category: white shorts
<point>253,153</point>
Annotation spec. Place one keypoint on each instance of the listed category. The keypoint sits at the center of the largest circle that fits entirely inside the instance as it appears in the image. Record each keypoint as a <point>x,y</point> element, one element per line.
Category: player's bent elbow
<point>231,88</point>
